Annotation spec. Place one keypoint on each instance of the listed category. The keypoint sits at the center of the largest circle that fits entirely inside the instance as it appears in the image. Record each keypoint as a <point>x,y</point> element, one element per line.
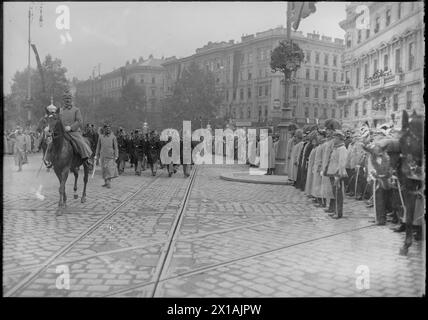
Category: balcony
<point>343,93</point>
<point>385,82</point>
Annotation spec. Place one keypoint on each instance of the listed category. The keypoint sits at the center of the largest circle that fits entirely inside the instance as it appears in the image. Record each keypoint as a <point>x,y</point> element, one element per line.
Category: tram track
<point>28,279</point>
<point>225,263</point>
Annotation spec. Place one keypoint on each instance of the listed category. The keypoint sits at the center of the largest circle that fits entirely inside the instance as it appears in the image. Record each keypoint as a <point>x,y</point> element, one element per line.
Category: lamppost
<point>284,136</point>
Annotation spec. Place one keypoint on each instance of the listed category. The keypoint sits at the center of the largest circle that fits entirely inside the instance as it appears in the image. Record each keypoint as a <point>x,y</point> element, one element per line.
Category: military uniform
<point>139,144</point>
<point>123,152</point>
<point>72,117</point>
<point>336,171</point>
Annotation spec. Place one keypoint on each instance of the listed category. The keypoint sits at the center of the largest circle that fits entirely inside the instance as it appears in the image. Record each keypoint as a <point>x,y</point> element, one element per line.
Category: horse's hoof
<point>76,196</point>
<point>83,200</point>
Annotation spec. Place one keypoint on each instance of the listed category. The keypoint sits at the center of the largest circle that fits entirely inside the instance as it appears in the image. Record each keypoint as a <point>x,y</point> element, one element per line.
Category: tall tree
<point>194,97</point>
<point>286,58</point>
<point>55,80</point>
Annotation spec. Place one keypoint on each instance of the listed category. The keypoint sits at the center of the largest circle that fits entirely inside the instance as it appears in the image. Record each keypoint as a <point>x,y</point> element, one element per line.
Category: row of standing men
<point>326,164</point>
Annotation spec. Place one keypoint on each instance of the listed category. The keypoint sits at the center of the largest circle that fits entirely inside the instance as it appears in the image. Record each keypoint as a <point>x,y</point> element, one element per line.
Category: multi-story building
<point>252,93</point>
<point>148,74</point>
<point>383,65</point>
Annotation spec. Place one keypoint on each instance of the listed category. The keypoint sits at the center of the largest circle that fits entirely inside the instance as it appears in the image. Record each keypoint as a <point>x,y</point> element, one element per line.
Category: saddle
<point>68,138</point>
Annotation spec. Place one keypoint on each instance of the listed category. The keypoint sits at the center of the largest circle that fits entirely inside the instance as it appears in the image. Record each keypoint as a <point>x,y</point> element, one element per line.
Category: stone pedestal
<point>284,136</point>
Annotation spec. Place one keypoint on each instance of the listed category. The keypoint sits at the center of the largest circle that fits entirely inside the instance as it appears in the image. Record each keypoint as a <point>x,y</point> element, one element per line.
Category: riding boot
<point>401,228</point>
<point>108,186</point>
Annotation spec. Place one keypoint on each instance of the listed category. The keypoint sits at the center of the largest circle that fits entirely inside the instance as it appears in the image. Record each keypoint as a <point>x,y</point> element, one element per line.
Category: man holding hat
<point>336,171</point>
<point>108,152</point>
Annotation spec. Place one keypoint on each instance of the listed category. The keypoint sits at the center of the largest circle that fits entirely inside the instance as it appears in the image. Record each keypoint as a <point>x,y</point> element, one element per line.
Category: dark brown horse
<point>65,159</point>
<point>412,150</point>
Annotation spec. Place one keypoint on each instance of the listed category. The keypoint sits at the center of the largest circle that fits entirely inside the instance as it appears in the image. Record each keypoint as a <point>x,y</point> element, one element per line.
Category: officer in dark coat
<point>122,142</point>
<point>139,151</point>
<point>153,149</point>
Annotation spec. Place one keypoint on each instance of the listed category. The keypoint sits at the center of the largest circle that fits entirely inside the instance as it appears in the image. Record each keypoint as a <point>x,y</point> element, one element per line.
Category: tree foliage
<point>286,58</point>
<point>194,98</point>
<point>55,83</point>
<point>128,111</point>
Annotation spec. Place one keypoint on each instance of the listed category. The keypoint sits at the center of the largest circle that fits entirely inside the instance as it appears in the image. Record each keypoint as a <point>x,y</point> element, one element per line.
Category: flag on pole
<point>301,10</point>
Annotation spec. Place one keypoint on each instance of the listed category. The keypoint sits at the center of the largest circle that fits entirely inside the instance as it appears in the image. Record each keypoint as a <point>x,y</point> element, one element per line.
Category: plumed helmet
<point>51,108</point>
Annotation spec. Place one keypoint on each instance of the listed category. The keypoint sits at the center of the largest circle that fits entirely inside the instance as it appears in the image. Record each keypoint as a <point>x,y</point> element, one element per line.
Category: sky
<point>110,33</point>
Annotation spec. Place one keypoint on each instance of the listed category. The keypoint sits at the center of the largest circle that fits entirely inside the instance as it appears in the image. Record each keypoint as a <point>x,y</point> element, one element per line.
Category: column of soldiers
<point>333,161</point>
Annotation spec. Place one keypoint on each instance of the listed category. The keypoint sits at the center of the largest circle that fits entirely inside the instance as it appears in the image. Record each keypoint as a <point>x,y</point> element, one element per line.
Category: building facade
<point>252,93</point>
<point>383,64</point>
<point>148,74</point>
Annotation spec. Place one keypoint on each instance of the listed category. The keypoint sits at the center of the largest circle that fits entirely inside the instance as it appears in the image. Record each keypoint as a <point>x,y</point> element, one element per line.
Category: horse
<point>411,146</point>
<point>65,159</point>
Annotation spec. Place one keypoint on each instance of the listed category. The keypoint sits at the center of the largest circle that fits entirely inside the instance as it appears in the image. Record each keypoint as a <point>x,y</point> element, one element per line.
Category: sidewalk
<point>255,175</point>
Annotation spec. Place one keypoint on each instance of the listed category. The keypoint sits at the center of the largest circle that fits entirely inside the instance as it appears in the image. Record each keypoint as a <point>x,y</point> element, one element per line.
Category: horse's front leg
<point>410,201</point>
<point>85,181</point>
<point>64,176</point>
<point>76,176</point>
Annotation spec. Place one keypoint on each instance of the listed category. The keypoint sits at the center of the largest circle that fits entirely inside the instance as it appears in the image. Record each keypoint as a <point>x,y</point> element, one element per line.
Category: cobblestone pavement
<point>231,240</point>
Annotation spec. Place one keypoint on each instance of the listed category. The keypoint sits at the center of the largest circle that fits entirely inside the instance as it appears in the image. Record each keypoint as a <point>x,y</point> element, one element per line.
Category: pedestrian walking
<point>108,152</point>
<point>20,148</point>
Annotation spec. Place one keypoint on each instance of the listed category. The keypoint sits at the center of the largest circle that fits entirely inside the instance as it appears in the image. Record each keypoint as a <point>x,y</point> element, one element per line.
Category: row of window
<point>324,112</point>
<point>386,63</point>
<point>316,93</point>
<point>325,78</point>
<point>261,90</point>
<point>377,24</point>
<point>117,83</point>
<point>317,58</point>
<point>409,105</point>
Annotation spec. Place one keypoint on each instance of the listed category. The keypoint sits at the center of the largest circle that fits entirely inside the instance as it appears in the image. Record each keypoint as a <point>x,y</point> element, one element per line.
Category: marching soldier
<point>123,150</point>
<point>139,151</point>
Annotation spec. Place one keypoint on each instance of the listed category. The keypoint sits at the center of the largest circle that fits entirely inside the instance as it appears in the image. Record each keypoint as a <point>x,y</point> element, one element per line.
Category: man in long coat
<point>336,171</point>
<point>326,187</point>
<point>298,136</point>
<point>291,142</point>
<point>108,152</point>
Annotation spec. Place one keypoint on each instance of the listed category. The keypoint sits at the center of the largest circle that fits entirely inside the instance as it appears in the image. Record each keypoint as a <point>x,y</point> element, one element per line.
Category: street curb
<point>231,177</point>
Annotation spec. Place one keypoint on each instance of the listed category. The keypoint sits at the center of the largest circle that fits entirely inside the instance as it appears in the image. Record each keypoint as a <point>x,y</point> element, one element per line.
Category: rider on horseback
<point>72,121</point>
